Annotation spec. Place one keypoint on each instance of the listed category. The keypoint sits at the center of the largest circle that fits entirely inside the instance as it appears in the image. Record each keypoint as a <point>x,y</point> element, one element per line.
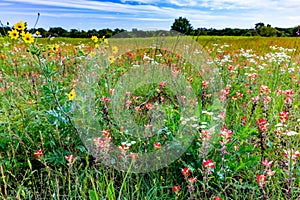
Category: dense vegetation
<point>252,154</point>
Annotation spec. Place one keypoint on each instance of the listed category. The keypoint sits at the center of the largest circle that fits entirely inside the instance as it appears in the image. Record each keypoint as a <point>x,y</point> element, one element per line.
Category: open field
<point>253,153</point>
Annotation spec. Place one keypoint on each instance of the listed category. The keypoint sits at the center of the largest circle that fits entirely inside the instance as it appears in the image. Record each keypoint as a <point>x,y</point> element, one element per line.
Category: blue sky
<point>150,14</point>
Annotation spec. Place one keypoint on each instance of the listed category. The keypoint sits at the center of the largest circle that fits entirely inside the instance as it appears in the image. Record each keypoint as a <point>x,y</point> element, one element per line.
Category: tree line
<point>73,33</point>
<point>180,24</point>
<point>183,25</point>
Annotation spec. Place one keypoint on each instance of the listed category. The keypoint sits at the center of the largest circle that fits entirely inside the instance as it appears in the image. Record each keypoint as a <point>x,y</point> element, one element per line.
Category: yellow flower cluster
<point>19,29</point>
<point>55,48</point>
<point>95,39</point>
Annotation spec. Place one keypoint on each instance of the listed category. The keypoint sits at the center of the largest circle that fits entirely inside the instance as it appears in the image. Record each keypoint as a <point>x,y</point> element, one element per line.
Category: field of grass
<point>251,153</point>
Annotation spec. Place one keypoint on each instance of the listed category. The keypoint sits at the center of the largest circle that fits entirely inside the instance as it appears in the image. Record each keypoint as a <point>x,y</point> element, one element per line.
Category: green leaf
<point>110,192</point>
<point>93,195</point>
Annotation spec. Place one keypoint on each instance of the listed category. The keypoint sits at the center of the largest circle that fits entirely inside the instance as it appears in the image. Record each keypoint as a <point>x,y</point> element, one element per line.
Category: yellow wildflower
<point>28,38</point>
<point>95,38</point>
<point>105,41</point>
<point>22,33</point>
<point>55,48</point>
<point>115,50</point>
<point>37,33</point>
<point>111,59</point>
<point>14,34</point>
<point>19,26</point>
<point>72,94</point>
<point>92,54</point>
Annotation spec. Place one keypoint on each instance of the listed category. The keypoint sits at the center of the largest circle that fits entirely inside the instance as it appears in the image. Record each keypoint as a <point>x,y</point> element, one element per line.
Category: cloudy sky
<point>150,14</point>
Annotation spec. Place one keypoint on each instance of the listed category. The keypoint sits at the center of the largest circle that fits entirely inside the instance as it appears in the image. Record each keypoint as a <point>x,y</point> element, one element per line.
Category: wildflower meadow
<point>162,117</point>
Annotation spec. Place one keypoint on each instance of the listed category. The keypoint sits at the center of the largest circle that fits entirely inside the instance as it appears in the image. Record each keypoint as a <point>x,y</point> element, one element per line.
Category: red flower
<point>225,136</point>
<point>192,180</point>
<point>283,116</point>
<point>261,179</point>
<point>176,189</point>
<point>124,147</point>
<point>69,158</point>
<point>208,164</point>
<point>204,83</point>
<point>112,91</point>
<point>230,67</point>
<point>239,94</point>
<point>157,146</point>
<point>38,153</point>
<point>186,172</point>
<point>217,198</point>
<point>264,89</point>
<point>105,99</point>
<point>266,163</point>
<point>291,154</point>
<point>190,79</point>
<point>162,84</point>
<point>148,106</point>
<point>262,124</point>
<point>244,119</point>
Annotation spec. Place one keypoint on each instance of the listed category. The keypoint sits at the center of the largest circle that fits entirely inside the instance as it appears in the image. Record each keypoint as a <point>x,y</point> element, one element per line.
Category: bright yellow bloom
<point>95,38</point>
<point>22,33</point>
<point>28,38</point>
<point>92,54</point>
<point>37,33</point>
<point>19,26</point>
<point>115,50</point>
<point>55,48</point>
<point>105,41</point>
<point>72,94</point>
<point>14,34</point>
<point>96,45</point>
<point>111,59</point>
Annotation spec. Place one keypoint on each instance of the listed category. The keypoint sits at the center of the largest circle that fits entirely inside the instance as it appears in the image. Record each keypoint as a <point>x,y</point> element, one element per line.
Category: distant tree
<point>117,31</point>
<point>182,25</point>
<point>258,25</point>
<point>265,31</point>
<point>74,33</point>
<point>57,31</point>
<point>105,32</point>
<point>200,31</point>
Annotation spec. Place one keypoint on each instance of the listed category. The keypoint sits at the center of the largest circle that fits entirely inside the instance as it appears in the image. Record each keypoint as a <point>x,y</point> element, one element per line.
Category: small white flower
<point>210,113</point>
<point>279,125</point>
<point>290,133</point>
<point>194,119</point>
<point>202,127</point>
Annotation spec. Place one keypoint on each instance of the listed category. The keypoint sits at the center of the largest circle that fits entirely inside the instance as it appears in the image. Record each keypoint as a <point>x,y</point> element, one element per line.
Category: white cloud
<point>152,10</point>
<point>201,13</point>
<point>170,2</point>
